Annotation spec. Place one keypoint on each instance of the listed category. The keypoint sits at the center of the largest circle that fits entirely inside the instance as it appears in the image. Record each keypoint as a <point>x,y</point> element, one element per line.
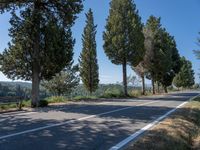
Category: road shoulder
<point>180,130</point>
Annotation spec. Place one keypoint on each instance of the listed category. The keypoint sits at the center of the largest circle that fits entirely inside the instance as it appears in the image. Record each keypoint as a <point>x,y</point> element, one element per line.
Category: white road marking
<point>131,138</point>
<point>72,121</point>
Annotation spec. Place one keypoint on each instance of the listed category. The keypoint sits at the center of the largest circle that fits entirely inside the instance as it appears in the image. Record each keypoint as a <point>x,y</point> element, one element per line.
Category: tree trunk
<point>125,77</point>
<point>35,87</point>
<point>165,89</point>
<point>35,75</point>
<point>36,55</point>
<point>153,86</point>
<point>143,85</point>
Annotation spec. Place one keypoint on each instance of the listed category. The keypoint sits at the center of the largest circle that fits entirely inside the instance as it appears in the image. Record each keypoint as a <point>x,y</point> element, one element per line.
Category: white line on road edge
<point>131,138</point>
<point>72,121</point>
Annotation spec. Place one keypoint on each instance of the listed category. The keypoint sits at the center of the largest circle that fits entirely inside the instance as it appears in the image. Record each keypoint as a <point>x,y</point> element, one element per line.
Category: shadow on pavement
<point>98,133</point>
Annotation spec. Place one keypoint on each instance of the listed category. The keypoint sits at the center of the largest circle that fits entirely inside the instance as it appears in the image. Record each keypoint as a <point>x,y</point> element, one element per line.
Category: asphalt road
<point>83,125</point>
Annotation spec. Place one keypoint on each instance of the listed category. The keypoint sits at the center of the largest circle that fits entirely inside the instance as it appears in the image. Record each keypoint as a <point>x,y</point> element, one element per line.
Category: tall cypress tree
<point>38,50</point>
<point>152,33</point>
<point>123,38</point>
<point>89,70</point>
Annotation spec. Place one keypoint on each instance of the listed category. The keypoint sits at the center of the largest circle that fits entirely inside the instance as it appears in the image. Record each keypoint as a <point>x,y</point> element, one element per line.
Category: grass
<point>4,107</point>
<point>7,106</point>
<point>57,99</point>
<point>138,93</point>
<point>27,103</point>
<point>78,98</point>
<point>181,131</point>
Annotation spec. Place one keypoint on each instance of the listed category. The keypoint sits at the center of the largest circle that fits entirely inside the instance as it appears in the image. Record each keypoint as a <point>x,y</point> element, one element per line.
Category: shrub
<point>135,93</point>
<point>26,103</point>
<point>113,93</point>
<point>43,103</point>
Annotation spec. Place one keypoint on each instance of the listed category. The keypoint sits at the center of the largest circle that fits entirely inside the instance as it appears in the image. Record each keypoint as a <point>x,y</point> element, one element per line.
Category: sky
<point>181,18</point>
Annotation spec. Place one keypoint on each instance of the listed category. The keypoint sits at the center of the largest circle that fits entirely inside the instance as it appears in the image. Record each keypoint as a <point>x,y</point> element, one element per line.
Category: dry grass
<point>181,131</point>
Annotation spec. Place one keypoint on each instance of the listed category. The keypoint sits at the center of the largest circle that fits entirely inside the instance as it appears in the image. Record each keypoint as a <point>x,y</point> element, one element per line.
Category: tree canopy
<point>64,82</point>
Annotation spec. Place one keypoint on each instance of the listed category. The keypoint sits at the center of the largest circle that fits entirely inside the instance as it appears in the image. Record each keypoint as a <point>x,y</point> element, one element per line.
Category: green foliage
<point>42,43</point>
<point>78,98</point>
<point>113,93</point>
<point>7,106</point>
<point>12,89</point>
<point>89,70</point>
<point>151,59</point>
<point>157,58</point>
<point>123,38</point>
<point>26,103</point>
<point>64,82</point>
<point>56,99</point>
<point>161,61</point>
<point>43,103</point>
<point>185,78</point>
<point>174,64</point>
<point>122,28</point>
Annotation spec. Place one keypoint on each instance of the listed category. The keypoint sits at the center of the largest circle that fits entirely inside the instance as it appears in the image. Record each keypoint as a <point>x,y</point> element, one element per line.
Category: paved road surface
<point>83,126</point>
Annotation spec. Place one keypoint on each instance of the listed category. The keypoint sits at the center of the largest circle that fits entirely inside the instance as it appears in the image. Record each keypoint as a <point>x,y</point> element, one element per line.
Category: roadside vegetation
<point>113,91</point>
<point>180,131</point>
<point>42,49</point>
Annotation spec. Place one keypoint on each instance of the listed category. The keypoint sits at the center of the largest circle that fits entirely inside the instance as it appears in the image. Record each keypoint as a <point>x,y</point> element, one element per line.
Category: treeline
<point>41,49</point>
<point>8,89</point>
<point>22,89</point>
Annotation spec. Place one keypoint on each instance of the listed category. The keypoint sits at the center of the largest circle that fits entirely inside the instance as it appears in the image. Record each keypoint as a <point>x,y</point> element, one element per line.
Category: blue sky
<point>179,17</point>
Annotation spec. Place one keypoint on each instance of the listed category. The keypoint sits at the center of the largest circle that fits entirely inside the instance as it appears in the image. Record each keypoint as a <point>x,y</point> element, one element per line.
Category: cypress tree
<point>42,41</point>
<point>162,59</point>
<point>89,70</point>
<point>123,38</point>
<point>152,32</point>
<point>175,65</point>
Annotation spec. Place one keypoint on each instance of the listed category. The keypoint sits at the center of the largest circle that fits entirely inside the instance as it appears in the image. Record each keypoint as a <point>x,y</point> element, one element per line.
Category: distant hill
<point>22,84</point>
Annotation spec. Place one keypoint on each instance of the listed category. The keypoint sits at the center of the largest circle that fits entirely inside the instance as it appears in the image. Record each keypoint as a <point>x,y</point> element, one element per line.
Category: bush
<point>135,93</point>
<point>113,93</point>
<point>43,103</point>
<point>26,103</point>
<point>138,93</point>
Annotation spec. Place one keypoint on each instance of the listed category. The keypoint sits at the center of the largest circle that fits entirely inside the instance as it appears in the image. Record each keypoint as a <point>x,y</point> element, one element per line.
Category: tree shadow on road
<point>99,132</point>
